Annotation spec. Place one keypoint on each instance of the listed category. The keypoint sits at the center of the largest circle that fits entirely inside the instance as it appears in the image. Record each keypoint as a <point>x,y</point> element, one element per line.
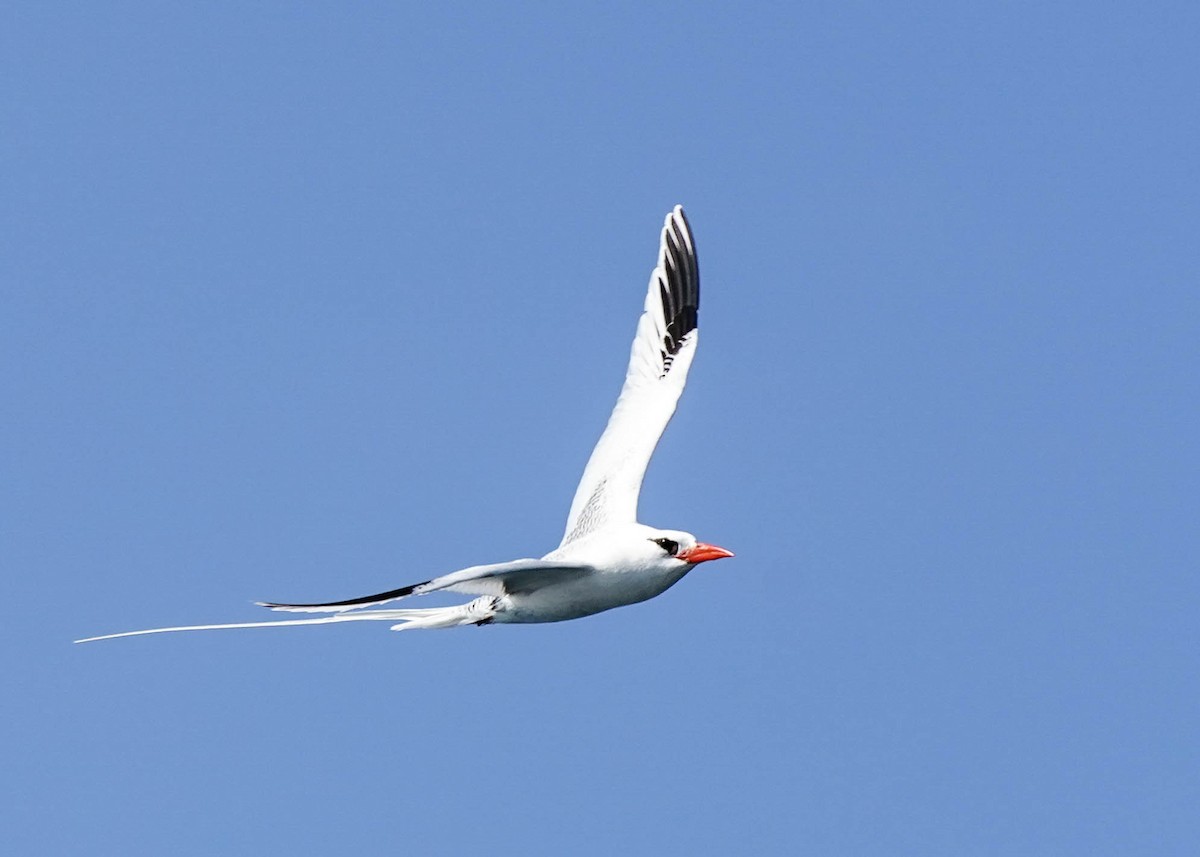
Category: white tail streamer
<point>479,611</point>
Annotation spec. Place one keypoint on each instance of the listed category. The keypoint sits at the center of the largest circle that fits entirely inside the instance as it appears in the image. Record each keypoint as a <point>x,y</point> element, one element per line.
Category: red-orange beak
<point>703,553</point>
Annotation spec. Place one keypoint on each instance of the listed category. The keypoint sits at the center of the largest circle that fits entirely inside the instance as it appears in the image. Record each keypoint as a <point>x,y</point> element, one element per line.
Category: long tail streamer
<point>479,611</point>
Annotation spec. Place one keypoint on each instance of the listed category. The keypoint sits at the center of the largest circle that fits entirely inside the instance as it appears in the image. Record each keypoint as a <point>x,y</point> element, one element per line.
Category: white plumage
<point>606,558</point>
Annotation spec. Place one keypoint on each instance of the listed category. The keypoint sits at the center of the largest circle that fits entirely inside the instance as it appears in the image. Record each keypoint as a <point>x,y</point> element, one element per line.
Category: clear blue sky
<point>304,303</point>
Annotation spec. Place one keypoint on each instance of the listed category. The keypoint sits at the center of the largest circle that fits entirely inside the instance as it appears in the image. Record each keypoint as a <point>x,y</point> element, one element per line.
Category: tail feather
<point>477,612</point>
<point>481,611</point>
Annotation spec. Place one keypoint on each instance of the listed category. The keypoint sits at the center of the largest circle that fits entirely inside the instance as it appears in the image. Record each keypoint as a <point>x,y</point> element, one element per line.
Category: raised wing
<point>501,578</point>
<point>659,360</point>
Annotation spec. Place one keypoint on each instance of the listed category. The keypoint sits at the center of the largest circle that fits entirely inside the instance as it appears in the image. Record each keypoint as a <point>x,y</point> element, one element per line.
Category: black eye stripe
<point>671,547</point>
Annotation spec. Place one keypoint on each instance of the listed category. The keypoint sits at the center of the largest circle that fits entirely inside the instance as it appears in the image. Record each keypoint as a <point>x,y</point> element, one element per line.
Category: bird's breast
<point>584,596</point>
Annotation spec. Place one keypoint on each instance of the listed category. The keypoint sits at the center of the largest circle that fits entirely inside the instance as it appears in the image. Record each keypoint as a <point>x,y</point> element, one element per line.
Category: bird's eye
<point>669,546</point>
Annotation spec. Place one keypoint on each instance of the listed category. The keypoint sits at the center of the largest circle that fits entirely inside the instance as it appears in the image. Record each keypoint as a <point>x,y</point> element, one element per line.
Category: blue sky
<point>304,303</point>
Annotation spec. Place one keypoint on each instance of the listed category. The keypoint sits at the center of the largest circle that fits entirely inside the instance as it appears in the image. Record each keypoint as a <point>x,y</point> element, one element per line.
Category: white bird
<point>606,558</point>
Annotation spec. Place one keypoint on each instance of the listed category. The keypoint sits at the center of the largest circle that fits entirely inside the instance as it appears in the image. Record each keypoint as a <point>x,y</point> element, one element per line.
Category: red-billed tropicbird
<point>606,558</point>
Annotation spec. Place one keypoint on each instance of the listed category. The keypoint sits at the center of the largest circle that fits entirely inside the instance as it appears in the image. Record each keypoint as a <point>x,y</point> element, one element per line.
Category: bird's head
<point>681,546</point>
<point>637,546</point>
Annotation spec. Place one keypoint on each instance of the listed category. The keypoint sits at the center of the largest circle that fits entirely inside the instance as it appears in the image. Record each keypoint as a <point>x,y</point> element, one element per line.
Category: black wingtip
<point>364,601</point>
<point>681,281</point>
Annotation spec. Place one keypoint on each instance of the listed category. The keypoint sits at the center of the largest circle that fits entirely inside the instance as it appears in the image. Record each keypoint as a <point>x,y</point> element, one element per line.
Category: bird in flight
<point>606,558</point>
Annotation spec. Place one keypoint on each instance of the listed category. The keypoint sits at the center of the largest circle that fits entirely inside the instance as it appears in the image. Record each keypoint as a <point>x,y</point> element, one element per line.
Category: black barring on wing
<point>680,293</point>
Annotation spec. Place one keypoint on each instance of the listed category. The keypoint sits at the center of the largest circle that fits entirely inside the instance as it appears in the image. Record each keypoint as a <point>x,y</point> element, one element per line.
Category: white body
<point>616,578</point>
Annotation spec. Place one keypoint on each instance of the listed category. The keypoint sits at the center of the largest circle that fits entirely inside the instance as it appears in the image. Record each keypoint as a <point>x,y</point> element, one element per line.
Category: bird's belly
<point>583,597</point>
